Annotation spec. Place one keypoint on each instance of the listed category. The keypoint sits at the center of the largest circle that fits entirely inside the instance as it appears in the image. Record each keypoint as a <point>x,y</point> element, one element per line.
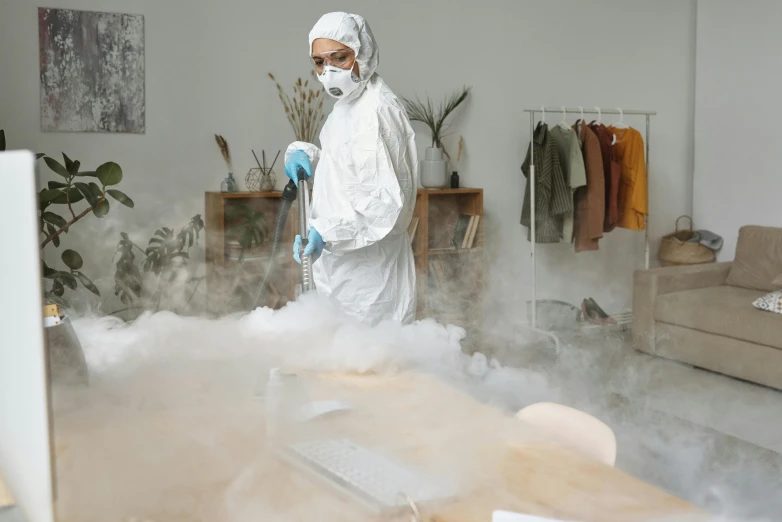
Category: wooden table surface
<point>191,466</point>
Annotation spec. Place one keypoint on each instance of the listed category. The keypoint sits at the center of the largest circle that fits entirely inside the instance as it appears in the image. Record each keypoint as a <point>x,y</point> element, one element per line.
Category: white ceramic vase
<point>433,169</point>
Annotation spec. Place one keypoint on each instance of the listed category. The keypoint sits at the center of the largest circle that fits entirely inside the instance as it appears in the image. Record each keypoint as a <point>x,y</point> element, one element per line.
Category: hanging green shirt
<point>573,170</point>
<point>553,199</point>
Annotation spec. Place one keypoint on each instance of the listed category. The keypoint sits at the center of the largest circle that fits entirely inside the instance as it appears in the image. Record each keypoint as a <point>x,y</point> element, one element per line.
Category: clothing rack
<point>533,215</point>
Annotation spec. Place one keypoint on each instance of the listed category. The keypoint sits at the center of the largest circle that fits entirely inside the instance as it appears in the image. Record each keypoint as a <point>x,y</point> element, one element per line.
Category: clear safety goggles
<point>342,58</point>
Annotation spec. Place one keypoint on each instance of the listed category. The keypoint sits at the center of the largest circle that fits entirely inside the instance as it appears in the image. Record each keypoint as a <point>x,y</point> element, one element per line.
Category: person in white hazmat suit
<point>366,175</point>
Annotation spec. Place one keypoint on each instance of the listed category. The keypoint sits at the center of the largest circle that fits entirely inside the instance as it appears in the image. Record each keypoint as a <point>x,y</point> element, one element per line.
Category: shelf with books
<point>450,285</point>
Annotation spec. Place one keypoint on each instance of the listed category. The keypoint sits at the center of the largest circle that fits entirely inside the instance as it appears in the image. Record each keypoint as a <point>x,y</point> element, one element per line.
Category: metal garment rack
<point>581,111</point>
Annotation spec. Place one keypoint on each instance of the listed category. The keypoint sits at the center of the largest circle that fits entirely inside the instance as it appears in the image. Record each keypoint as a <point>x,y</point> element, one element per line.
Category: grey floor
<point>707,438</point>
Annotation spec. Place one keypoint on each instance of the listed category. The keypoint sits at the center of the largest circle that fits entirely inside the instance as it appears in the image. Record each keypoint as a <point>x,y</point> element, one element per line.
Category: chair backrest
<point>574,428</point>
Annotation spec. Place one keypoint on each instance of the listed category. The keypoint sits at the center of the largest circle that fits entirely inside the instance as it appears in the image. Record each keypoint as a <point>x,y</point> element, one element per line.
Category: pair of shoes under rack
<point>593,314</point>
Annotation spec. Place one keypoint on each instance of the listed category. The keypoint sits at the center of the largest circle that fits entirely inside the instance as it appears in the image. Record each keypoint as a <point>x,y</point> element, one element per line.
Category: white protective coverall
<point>365,181</point>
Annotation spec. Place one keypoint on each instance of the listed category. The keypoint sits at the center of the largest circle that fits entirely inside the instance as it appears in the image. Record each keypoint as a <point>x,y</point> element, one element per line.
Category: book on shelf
<point>465,231</point>
<point>463,222</point>
<point>473,231</point>
<point>413,228</point>
<point>470,228</point>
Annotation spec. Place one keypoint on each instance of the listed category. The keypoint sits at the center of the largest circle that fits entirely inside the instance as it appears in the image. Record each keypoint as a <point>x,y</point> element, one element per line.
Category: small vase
<point>228,184</point>
<point>433,169</point>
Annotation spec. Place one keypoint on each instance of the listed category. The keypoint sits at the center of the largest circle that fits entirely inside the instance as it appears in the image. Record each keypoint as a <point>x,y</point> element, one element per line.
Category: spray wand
<point>307,283</point>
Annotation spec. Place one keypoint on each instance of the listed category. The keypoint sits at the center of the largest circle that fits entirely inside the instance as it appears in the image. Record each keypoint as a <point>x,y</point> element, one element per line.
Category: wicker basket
<point>674,249</point>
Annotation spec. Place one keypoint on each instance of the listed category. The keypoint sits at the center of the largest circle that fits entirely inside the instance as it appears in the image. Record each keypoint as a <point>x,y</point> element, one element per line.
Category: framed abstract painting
<point>92,71</point>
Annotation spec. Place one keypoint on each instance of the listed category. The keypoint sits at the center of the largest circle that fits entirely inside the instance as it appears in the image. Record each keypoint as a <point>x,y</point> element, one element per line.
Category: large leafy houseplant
<point>163,263</point>
<point>434,115</point>
<point>59,210</point>
<point>250,227</point>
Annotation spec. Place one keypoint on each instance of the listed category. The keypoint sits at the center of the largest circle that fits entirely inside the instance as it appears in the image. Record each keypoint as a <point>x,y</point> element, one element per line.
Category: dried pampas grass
<point>224,150</point>
<point>304,109</point>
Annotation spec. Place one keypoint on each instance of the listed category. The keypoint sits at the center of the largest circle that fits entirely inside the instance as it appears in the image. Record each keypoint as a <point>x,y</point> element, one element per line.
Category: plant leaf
<point>109,173</point>
<point>56,300</point>
<point>88,284</point>
<point>56,167</point>
<point>72,259</point>
<point>102,208</point>
<point>68,163</point>
<point>48,273</point>
<point>54,219</point>
<point>49,195</point>
<point>85,190</point>
<point>51,230</point>
<point>67,279</point>
<point>56,185</point>
<point>75,195</point>
<point>57,289</point>
<point>90,173</point>
<point>121,197</point>
<point>2,140</point>
<point>39,155</point>
<point>96,190</point>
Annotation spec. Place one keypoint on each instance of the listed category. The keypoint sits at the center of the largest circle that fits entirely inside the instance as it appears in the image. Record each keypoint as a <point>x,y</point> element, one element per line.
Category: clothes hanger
<point>543,115</point>
<point>621,123</point>
<point>581,121</point>
<point>563,122</point>
<point>599,115</point>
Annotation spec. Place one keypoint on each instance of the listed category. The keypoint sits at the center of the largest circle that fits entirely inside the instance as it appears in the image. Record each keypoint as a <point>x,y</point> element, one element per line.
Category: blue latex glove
<point>298,159</point>
<point>314,246</point>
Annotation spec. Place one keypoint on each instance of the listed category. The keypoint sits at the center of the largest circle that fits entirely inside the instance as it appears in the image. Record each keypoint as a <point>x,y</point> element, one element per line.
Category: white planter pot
<point>433,169</point>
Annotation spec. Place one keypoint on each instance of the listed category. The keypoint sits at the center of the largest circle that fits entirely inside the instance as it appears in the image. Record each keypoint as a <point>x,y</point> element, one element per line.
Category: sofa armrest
<point>648,284</point>
<point>687,277</point>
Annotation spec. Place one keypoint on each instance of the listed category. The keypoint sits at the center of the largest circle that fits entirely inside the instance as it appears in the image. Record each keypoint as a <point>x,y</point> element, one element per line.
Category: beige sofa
<point>703,315</point>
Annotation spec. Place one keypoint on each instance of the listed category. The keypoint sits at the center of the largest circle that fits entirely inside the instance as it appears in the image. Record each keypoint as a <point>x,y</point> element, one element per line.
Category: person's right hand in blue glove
<point>314,246</point>
<point>298,159</point>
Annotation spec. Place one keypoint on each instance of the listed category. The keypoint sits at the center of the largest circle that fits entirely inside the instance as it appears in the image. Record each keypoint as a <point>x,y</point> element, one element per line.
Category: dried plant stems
<point>461,148</point>
<point>304,109</point>
<point>224,151</point>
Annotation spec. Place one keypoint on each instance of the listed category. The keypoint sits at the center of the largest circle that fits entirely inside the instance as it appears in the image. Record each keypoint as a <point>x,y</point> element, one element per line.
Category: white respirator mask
<point>339,82</point>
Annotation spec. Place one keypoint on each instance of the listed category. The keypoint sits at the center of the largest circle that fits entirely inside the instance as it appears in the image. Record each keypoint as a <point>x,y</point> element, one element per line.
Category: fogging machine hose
<point>288,197</point>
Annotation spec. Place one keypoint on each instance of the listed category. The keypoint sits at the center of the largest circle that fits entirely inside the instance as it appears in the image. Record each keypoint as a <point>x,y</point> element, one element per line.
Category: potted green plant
<point>69,194</point>
<point>433,167</point>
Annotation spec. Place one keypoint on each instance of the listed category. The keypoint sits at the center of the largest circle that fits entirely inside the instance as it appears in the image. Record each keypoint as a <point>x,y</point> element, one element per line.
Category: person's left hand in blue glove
<point>313,249</point>
<point>298,159</point>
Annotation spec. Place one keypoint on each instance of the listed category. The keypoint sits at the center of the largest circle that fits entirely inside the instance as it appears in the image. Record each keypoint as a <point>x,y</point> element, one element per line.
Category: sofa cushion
<point>721,310</point>
<point>770,302</point>
<point>758,259</point>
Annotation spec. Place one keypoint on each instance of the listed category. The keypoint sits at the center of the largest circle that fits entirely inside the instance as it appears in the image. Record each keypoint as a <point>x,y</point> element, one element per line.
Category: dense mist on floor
<point>172,425</point>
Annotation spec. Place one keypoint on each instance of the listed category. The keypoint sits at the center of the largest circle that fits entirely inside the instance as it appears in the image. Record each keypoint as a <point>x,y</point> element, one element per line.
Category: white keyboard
<point>377,481</point>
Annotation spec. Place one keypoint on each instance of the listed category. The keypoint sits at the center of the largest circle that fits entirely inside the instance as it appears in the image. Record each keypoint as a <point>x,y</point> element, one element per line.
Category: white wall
<point>206,73</point>
<point>738,118</point>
